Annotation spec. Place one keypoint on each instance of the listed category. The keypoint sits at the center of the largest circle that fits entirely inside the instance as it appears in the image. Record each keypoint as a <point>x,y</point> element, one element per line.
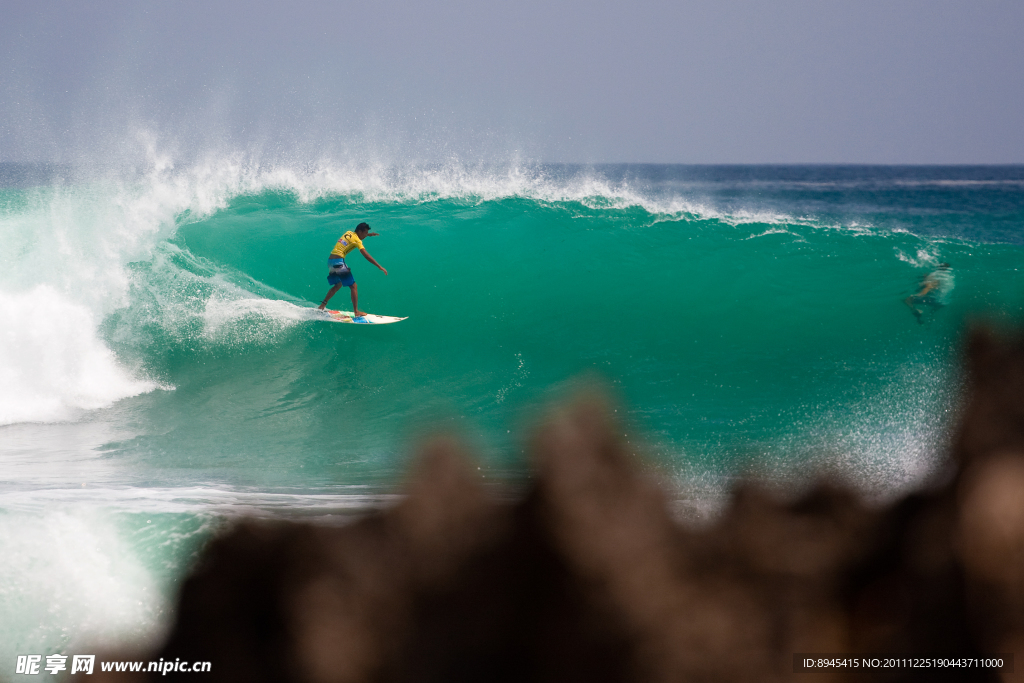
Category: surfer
<point>339,275</point>
<point>933,286</point>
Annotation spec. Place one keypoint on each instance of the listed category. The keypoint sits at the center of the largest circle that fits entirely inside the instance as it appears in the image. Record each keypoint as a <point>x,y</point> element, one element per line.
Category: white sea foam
<point>924,257</point>
<point>71,578</point>
<point>265,318</point>
<point>52,365</point>
<point>223,501</point>
<point>66,252</point>
<point>78,568</point>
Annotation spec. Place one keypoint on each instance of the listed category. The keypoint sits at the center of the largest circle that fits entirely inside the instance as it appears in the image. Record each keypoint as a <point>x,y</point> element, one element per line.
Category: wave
<point>157,374</point>
<point>73,247</point>
<point>180,277</point>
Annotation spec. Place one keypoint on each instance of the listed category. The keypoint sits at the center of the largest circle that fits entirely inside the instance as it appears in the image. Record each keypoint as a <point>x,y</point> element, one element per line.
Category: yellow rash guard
<point>348,242</point>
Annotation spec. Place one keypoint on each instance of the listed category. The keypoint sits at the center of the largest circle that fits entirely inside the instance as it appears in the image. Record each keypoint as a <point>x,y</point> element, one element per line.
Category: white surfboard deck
<point>347,317</point>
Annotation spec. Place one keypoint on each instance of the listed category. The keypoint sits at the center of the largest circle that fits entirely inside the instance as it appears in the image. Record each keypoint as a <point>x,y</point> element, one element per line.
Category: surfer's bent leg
<point>339,276</point>
<point>332,292</point>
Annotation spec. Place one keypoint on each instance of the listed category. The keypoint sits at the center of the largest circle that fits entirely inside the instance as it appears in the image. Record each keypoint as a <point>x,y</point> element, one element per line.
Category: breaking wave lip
<point>215,183</point>
<point>158,188</point>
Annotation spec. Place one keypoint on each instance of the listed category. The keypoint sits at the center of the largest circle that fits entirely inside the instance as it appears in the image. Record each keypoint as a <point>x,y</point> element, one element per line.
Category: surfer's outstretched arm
<point>369,258</point>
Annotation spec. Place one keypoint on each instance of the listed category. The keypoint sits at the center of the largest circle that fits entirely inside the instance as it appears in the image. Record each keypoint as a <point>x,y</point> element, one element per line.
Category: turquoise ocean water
<point>153,383</point>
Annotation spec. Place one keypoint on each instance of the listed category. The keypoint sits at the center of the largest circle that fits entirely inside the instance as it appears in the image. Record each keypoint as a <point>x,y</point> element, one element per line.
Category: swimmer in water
<point>933,284</point>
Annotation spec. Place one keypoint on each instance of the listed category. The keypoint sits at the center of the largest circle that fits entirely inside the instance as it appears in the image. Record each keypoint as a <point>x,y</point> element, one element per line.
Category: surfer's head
<point>362,229</point>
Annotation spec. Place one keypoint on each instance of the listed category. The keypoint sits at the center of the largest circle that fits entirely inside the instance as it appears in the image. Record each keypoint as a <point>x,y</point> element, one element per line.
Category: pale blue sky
<point>706,81</point>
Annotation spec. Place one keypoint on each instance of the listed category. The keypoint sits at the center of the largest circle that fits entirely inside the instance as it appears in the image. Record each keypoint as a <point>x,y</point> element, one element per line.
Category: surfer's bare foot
<point>358,314</point>
<point>322,306</point>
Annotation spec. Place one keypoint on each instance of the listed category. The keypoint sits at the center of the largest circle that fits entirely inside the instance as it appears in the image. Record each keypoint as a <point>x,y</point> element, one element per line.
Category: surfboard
<point>294,311</point>
<point>368,319</point>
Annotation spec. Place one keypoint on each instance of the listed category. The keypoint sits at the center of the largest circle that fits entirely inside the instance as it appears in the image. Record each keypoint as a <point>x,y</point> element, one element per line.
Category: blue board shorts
<point>339,272</point>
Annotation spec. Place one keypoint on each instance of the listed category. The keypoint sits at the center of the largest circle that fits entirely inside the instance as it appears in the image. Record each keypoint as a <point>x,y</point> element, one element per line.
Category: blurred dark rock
<point>589,577</point>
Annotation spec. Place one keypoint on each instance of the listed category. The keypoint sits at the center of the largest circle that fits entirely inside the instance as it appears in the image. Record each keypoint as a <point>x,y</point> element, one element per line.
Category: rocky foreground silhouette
<point>588,576</point>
